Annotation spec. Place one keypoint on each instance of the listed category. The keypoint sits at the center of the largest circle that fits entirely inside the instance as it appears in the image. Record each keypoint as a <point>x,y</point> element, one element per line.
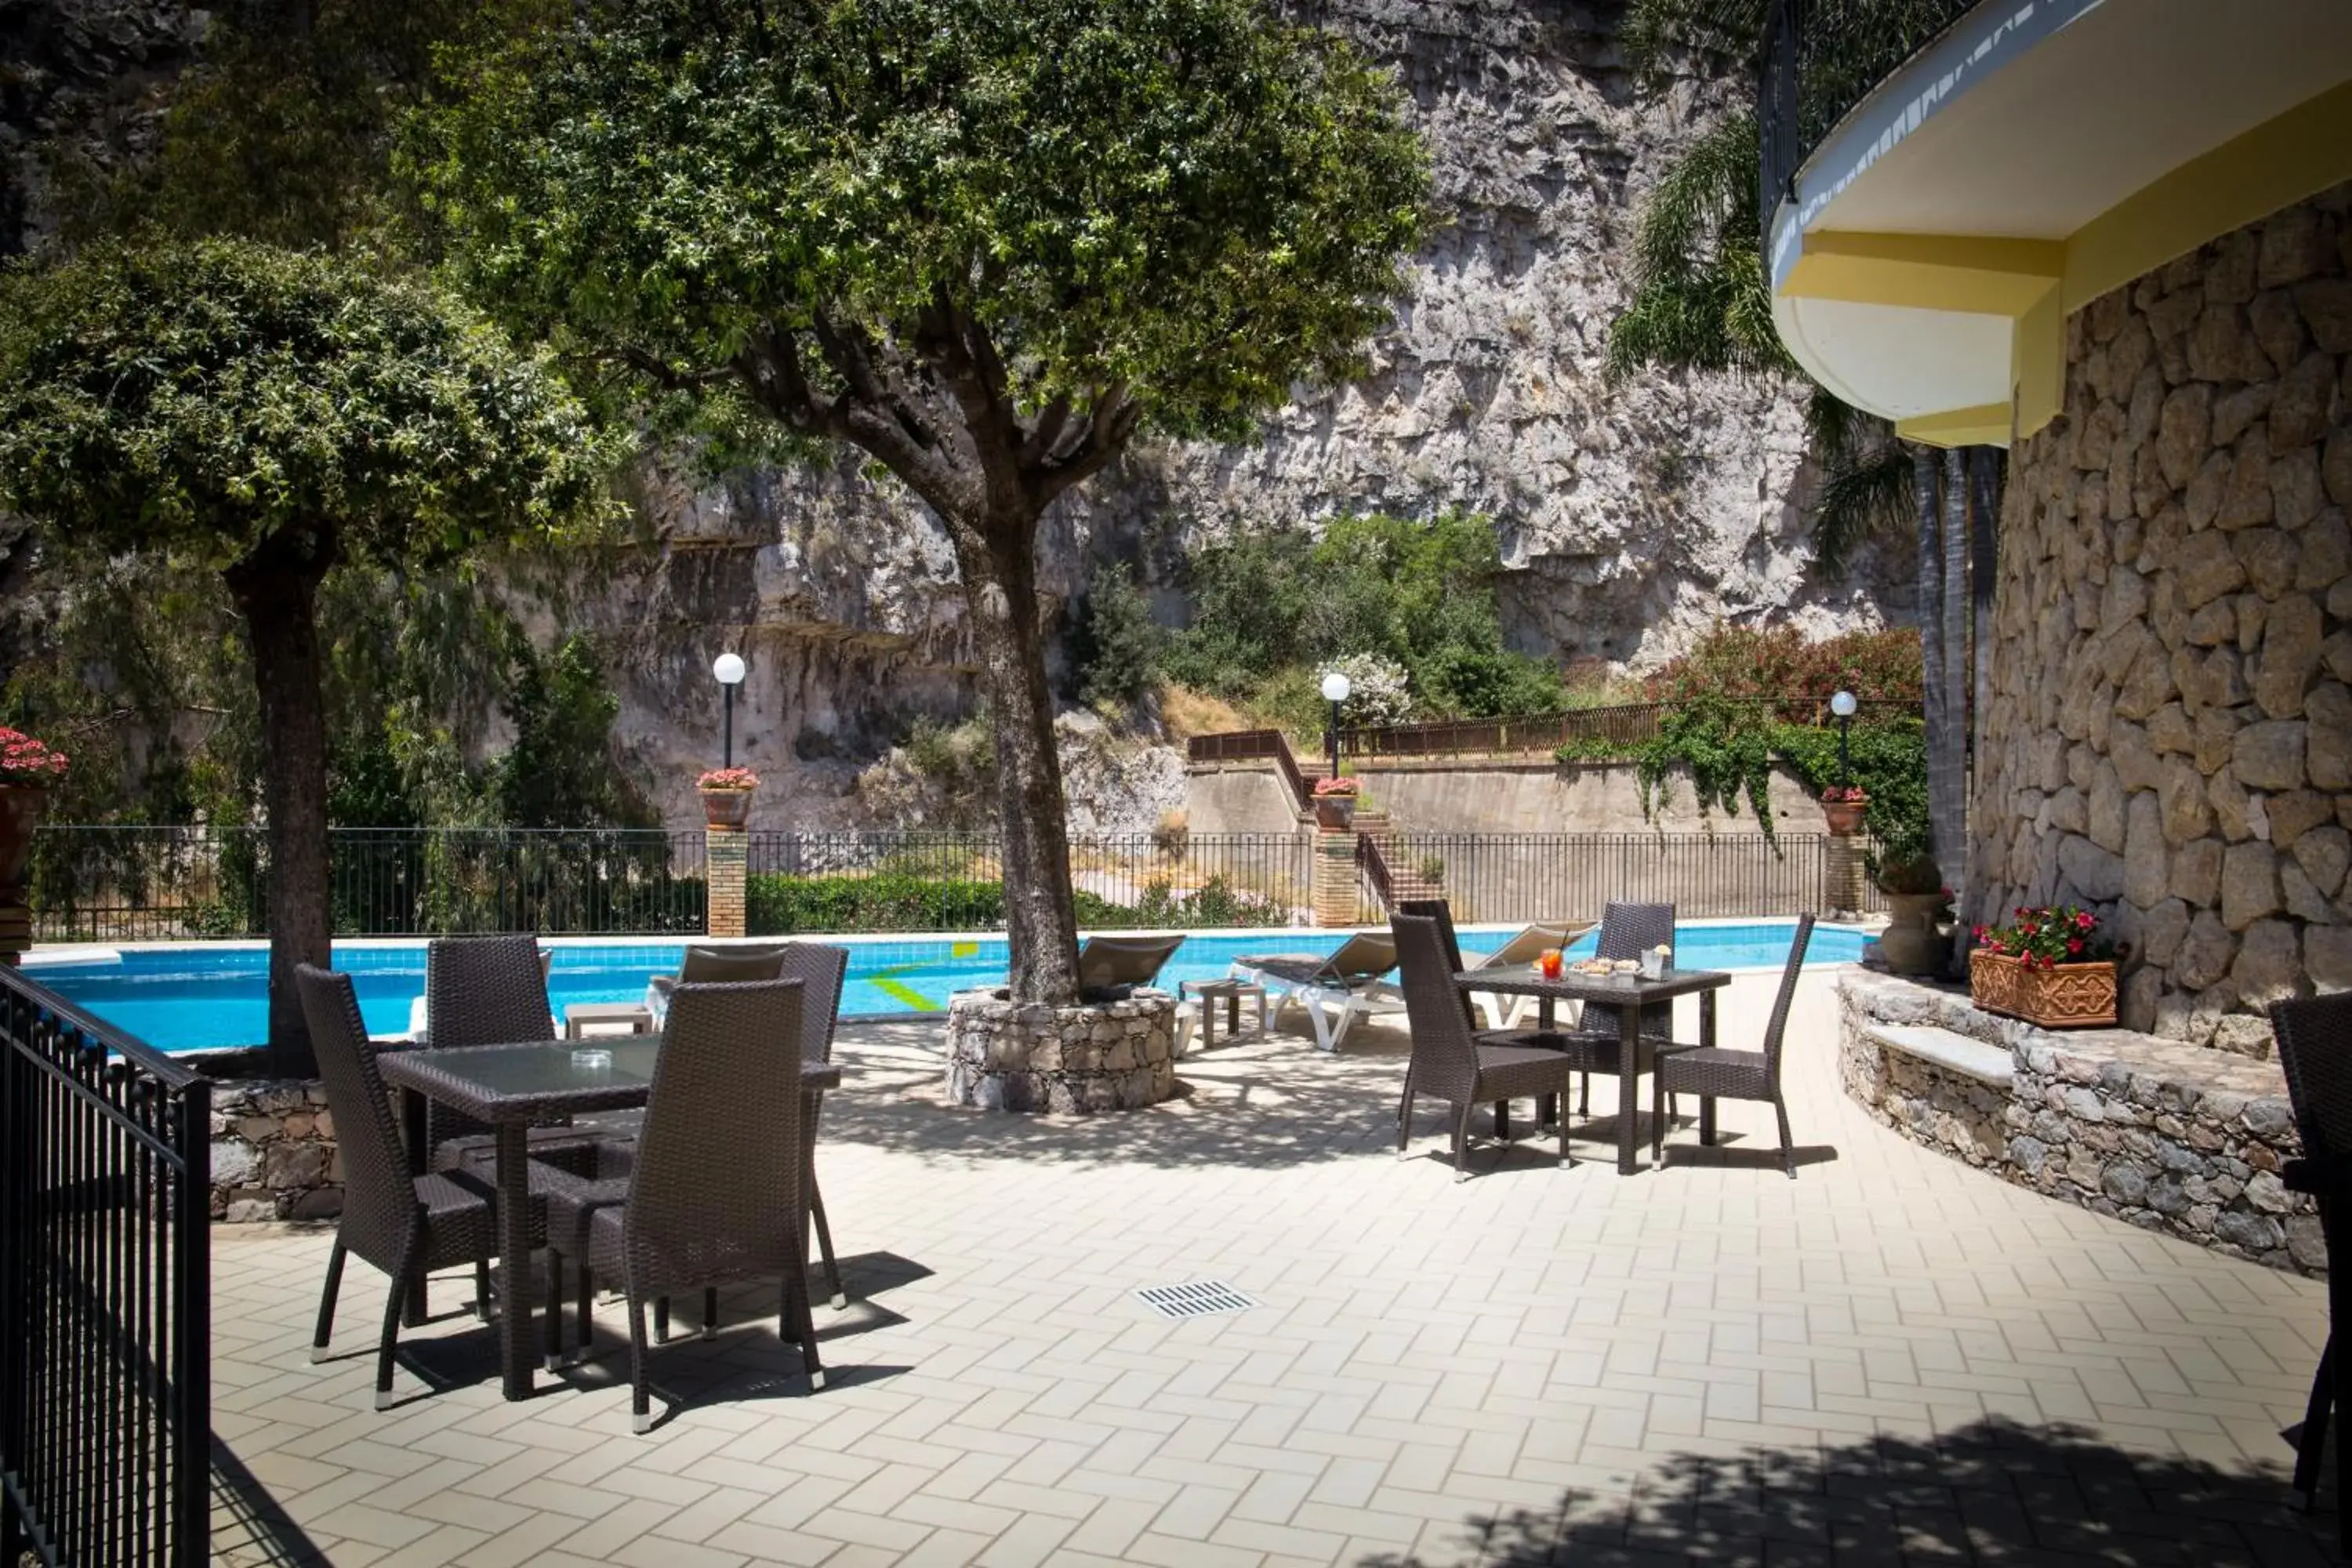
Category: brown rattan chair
<point>2315,1049</point>
<point>1713,1073</point>
<point>1627,930</point>
<point>405,1224</point>
<point>821,971</point>
<point>714,1196</point>
<point>1448,1061</point>
<point>712,966</point>
<point>491,991</point>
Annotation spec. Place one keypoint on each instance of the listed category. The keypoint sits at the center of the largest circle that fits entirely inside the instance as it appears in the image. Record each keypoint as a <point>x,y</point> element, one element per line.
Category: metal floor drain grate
<point>1195,1299</point>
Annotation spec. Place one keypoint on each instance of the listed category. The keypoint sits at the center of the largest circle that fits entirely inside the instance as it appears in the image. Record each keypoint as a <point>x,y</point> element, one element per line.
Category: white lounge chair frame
<point>1334,991</point>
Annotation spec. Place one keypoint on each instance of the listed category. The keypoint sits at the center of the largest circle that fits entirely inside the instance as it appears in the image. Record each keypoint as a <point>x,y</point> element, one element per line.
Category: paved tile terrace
<point>1892,1359</point>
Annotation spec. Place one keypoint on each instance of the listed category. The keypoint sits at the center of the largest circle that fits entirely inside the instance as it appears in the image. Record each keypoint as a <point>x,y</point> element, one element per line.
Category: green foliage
<point>1726,747</point>
<point>1889,761</point>
<point>1700,301</point>
<point>207,397</point>
<point>1183,202</point>
<point>891,899</point>
<point>1272,607</point>
<point>1114,642</point>
<point>779,905</point>
<point>560,771</point>
<point>1216,902</point>
<point>1778,664</point>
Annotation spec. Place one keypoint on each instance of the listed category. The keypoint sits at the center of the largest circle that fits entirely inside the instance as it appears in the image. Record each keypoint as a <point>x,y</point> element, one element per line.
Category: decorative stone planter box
<point>1010,1055</point>
<point>2069,997</point>
<point>1335,811</point>
<point>1843,818</point>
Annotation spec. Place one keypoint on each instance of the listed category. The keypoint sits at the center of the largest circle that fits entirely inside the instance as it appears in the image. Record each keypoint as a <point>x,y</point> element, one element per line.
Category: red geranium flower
<point>2073,944</point>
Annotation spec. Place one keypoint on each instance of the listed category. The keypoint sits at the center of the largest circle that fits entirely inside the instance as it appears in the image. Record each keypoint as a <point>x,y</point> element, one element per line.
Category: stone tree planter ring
<point>1013,1056</point>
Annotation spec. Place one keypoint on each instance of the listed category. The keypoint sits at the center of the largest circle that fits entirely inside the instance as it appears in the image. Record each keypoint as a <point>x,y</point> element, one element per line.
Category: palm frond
<point>1864,494</point>
<point>1704,198</point>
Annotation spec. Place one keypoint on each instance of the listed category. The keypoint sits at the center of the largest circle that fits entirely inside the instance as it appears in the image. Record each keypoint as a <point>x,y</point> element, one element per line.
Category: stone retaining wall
<point>2168,734</point>
<point>1010,1055</point>
<point>2167,1136</point>
<point>273,1153</point>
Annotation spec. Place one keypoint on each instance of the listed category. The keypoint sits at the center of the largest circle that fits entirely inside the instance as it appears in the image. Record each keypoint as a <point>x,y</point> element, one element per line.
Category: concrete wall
<point>1492,797</point>
<point>2169,738</point>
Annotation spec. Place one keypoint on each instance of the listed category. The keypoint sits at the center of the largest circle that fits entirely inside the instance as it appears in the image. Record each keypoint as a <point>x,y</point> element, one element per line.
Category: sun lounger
<point>1110,967</point>
<point>1525,947</point>
<point>1335,991</point>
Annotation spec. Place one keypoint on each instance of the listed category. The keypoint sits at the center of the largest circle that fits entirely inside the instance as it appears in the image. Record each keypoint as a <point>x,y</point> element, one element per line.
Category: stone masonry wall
<point>273,1155</point>
<point>2166,1136</point>
<point>2169,738</point>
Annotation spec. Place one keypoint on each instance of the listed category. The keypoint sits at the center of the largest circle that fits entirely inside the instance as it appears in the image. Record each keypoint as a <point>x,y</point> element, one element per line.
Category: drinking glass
<point>1548,962</point>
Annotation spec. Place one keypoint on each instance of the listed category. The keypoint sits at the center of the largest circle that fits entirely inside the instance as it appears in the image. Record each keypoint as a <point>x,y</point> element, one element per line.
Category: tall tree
<point>988,244</point>
<point>270,414</point>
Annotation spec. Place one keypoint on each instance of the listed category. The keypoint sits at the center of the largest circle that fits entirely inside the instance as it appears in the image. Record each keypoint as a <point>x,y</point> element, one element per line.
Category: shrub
<point>780,905</point>
<point>1114,641</point>
<point>1777,662</point>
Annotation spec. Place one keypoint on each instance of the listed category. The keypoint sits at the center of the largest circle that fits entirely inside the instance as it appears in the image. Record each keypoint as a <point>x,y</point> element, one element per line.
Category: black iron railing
<point>139,883</point>
<point>105,1292</point>
<point>1525,877</point>
<point>1625,724</point>
<point>1818,59</point>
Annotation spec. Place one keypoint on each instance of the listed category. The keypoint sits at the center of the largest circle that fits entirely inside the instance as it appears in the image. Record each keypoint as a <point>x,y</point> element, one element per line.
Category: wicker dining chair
<point>1452,1064</point>
<point>492,990</point>
<point>822,970</point>
<point>405,1223</point>
<point>714,1195</point>
<point>1714,1073</point>
<point>2315,1050</point>
<point>1627,930</point>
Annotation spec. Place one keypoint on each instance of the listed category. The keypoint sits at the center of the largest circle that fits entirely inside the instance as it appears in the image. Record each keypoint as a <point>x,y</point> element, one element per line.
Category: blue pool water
<point>200,998</point>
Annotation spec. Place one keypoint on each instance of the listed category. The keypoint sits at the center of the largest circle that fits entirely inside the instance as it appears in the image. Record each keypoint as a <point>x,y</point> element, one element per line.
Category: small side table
<point>1229,992</point>
<point>582,1019</point>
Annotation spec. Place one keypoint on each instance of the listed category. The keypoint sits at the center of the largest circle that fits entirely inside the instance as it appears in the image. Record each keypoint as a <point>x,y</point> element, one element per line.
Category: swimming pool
<point>201,997</point>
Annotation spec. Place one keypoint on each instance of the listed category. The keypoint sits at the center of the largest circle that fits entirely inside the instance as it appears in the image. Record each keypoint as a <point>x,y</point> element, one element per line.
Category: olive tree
<point>990,244</point>
<point>270,413</point>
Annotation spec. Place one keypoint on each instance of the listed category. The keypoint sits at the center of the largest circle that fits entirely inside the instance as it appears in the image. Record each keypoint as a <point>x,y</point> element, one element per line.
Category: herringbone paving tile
<point>1892,1359</point>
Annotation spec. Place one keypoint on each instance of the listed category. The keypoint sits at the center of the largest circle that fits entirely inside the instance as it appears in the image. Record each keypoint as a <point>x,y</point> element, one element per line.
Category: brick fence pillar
<point>727,852</point>
<point>1335,876</point>
<point>1843,874</point>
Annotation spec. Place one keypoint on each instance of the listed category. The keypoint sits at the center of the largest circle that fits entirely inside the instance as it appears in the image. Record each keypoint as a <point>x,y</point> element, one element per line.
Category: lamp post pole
<point>1336,688</point>
<point>728,670</point>
<point>1843,705</point>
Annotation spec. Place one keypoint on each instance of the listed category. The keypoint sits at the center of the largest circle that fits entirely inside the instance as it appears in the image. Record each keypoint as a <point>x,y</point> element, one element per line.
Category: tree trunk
<point>1947,728</point>
<point>1040,914</point>
<point>1985,473</point>
<point>1926,496</point>
<point>275,588</point>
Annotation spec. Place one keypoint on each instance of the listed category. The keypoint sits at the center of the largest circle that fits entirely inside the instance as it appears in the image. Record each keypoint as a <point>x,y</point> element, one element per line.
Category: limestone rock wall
<point>2169,738</point>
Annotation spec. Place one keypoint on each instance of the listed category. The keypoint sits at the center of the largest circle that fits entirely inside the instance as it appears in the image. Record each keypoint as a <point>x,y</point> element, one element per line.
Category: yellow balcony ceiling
<point>2039,155</point>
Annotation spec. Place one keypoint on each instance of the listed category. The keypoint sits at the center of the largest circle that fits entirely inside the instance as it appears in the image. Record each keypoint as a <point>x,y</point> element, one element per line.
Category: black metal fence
<point>129,883</point>
<point>1520,878</point>
<point>945,880</point>
<point>105,1292</point>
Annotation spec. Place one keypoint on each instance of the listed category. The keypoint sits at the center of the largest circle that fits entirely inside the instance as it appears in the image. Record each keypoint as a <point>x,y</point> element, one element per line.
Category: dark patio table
<point>512,1087</point>
<point>1637,1054</point>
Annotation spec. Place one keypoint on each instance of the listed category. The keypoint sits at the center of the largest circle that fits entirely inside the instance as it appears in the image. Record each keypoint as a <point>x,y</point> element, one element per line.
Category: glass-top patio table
<point>512,1087</point>
<point>1636,1053</point>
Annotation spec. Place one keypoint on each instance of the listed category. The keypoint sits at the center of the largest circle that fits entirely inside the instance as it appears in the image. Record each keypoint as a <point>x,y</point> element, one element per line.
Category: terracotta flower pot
<point>726,808</point>
<point>1844,817</point>
<point>1335,811</point>
<point>2064,996</point>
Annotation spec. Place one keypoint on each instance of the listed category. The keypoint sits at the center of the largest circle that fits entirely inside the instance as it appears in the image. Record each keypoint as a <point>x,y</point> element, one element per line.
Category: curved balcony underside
<point>2040,153</point>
